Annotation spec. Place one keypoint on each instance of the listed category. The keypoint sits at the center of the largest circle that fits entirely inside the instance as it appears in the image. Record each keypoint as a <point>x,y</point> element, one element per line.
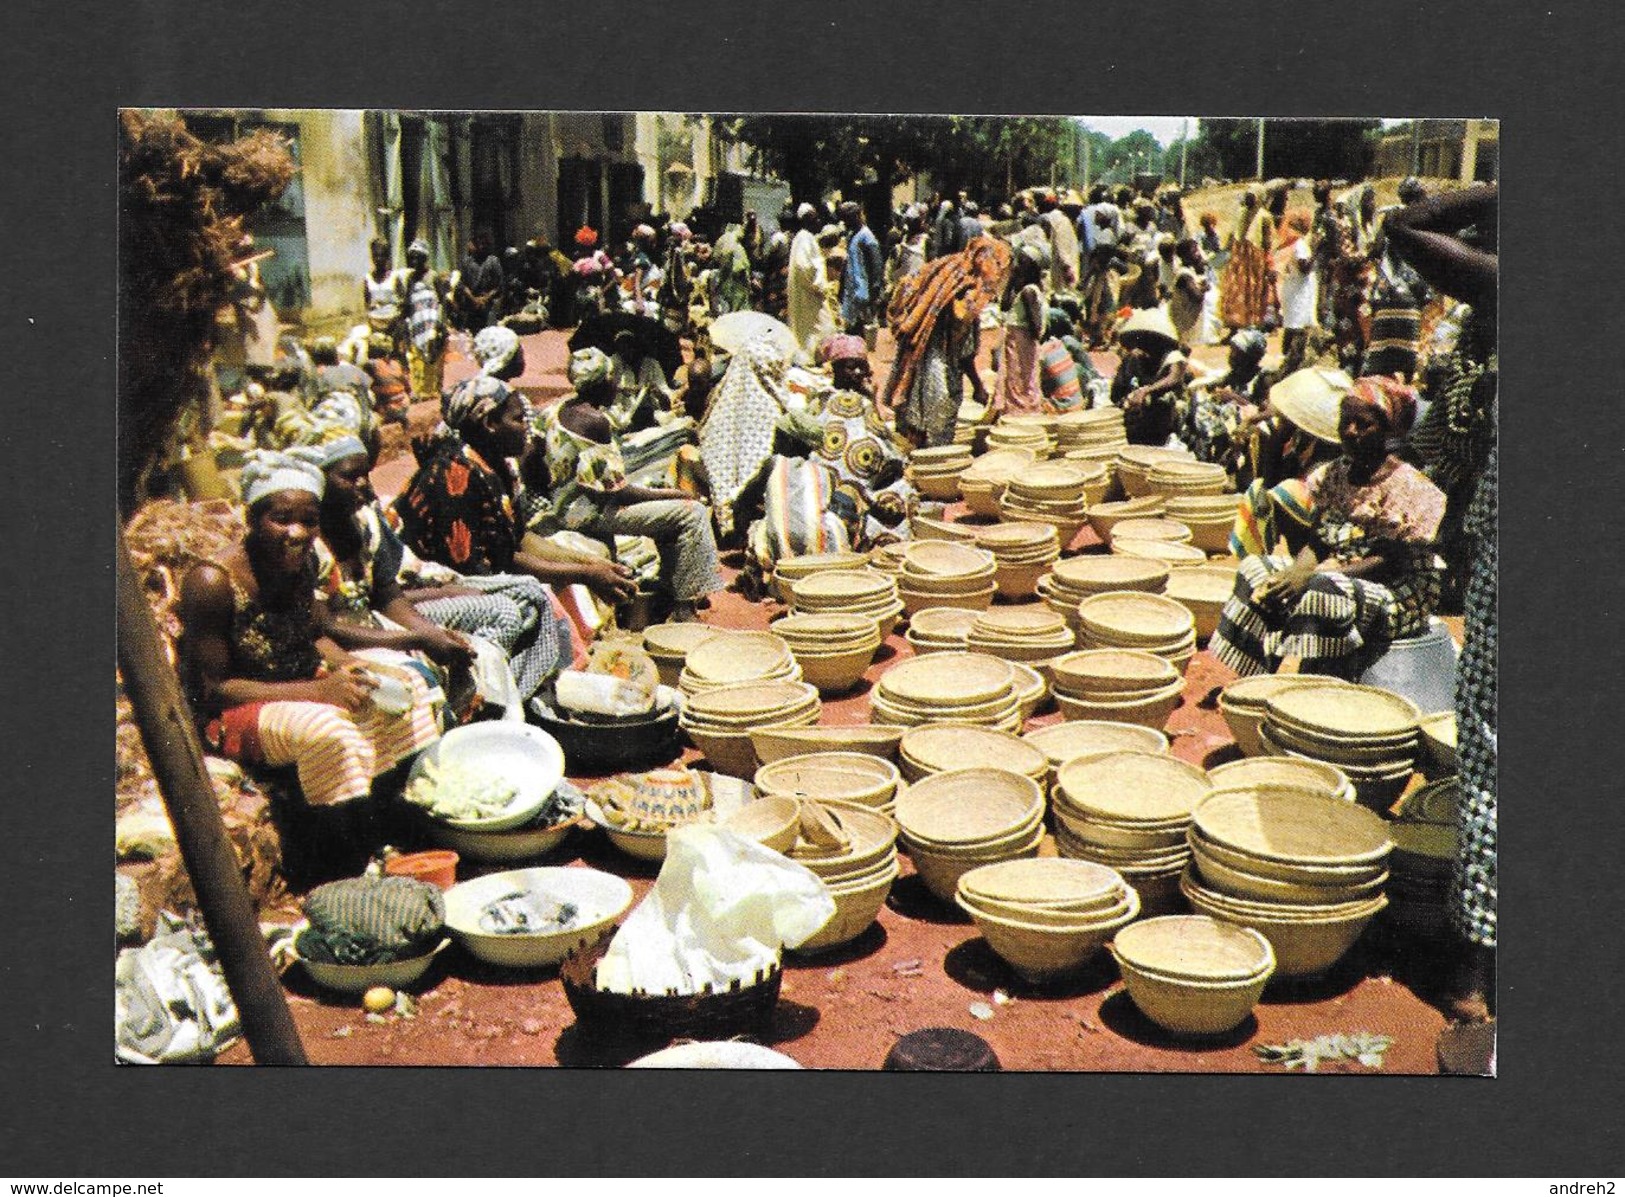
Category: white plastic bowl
<point>599,898</point>
<point>524,755</point>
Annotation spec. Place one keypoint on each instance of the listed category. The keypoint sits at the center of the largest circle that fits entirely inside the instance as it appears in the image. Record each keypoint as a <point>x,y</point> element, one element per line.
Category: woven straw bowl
<point>1196,1008</point>
<point>772,820</point>
<point>1282,770</point>
<point>836,673</point>
<point>776,743</point>
<point>1249,886</point>
<point>1295,827</point>
<point>1302,949</point>
<point>856,908</point>
<point>600,899</point>
<point>1039,953</point>
<point>871,840</point>
<point>847,777</point>
<point>1077,916</point>
<point>1151,712</point>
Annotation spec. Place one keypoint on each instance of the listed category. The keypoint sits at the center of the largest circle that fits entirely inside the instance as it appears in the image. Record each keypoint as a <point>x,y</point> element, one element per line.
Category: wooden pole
<point>1258,172</point>
<point>171,740</point>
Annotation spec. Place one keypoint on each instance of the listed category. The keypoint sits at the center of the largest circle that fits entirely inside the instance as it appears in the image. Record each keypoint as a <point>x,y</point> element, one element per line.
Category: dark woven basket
<point>596,748</point>
<point>720,1014</point>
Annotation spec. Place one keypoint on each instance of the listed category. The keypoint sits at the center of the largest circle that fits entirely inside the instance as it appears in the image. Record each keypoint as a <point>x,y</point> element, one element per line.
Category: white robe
<point>810,318</point>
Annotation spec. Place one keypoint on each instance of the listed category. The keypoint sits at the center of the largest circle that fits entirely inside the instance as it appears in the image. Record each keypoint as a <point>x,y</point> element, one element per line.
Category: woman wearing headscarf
<point>732,264</point>
<point>1368,573</point>
<point>1222,403</point>
<point>590,492</point>
<point>425,294</point>
<point>268,687</point>
<point>1244,290</point>
<point>935,315</point>
<point>1295,268</point>
<point>1025,317</point>
<point>1151,377</point>
<point>1276,450</point>
<point>736,435</point>
<point>872,497</point>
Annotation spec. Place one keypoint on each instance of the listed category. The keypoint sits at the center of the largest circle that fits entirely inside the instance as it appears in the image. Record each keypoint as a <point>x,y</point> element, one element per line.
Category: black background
<point>1548,75</point>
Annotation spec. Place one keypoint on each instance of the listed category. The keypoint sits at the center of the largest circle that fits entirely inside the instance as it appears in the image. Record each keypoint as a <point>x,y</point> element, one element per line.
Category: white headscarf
<point>494,347</point>
<point>266,472</point>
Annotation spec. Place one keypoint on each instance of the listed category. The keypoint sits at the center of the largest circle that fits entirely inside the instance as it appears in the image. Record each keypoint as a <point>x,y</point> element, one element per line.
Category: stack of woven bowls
<point>1191,974</point>
<point>1028,633</point>
<point>952,822</point>
<point>1133,619</point>
<point>1290,771</point>
<point>1173,478</point>
<point>832,648</point>
<point>1022,553</point>
<point>1118,685</point>
<point>888,558</point>
<point>1076,578</point>
<point>965,687</point>
<point>982,485</point>
<point>938,573</point>
<point>1089,428</point>
<point>923,527</point>
<point>857,591</point>
<point>720,721</point>
<point>935,472</point>
<point>729,658</point>
<point>1104,517</point>
<point>1050,493</point>
<point>944,747</point>
<point>1203,590</point>
<point>1438,756</point>
<point>1131,811</point>
<point>1419,885</point>
<point>1023,432</point>
<point>1242,704</point>
<point>940,629</point>
<point>871,739</point>
<point>1134,463</point>
<point>1046,917</point>
<point>1209,517</point>
<point>1369,733</point>
<point>853,849</point>
<point>1063,742</point>
<point>1165,552</point>
<point>1032,688</point>
<point>787,571</point>
<point>853,778</point>
<point>668,646</point>
<point>1150,527</point>
<point>1304,870</point>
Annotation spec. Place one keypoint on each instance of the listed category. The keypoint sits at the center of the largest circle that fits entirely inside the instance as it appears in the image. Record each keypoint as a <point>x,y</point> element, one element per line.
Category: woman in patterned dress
<point>1368,574</point>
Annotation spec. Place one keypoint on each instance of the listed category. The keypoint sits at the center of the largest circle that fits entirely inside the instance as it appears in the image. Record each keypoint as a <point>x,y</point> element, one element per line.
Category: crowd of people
<point>729,399</point>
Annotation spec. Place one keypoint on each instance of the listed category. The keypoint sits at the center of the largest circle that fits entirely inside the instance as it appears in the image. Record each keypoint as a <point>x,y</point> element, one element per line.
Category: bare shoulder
<point>585,420</point>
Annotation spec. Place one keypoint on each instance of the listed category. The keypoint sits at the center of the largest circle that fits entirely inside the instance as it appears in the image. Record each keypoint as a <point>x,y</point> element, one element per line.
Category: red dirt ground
<point>923,964</point>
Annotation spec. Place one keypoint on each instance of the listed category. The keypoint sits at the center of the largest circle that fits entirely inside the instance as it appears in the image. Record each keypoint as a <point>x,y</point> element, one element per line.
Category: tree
<point>1296,148</point>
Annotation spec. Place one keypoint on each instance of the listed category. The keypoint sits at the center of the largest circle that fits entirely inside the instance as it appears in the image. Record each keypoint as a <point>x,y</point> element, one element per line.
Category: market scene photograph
<point>807,591</point>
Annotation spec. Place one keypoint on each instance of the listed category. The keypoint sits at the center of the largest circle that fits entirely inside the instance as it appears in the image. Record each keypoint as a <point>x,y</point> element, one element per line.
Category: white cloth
<point>811,321</point>
<point>1297,285</point>
<point>722,910</point>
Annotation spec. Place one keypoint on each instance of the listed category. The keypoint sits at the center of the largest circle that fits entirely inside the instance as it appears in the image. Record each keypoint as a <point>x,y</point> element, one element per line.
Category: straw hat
<point>1151,322</point>
<point>1312,399</point>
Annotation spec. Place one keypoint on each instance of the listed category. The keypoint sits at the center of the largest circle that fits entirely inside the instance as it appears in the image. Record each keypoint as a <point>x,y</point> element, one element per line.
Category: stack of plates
<point>1242,704</point>
<point>1103,517</point>
<point>935,472</point>
<point>952,822</point>
<point>853,849</point>
<point>938,573</point>
<point>1203,590</point>
<point>1170,478</point>
<point>1209,517</point>
<point>730,658</point>
<point>1032,433</point>
<point>1131,811</point>
<point>1090,428</point>
<point>1028,633</point>
<point>857,591</point>
<point>982,485</point>
<point>1076,578</point>
<point>943,747</point>
<point>1194,975</point>
<point>1369,733</point>
<point>948,687</point>
<point>1090,737</point>
<point>1289,771</point>
<point>1022,553</point>
<point>1135,461</point>
<point>1121,685</point>
<point>1419,885</point>
<point>789,570</point>
<point>720,721</point>
<point>1046,917</point>
<point>1175,556</point>
<point>849,777</point>
<point>924,528</point>
<point>1154,527</point>
<point>668,645</point>
<point>940,629</point>
<point>1051,493</point>
<point>1133,619</point>
<point>1304,870</point>
<point>832,648</point>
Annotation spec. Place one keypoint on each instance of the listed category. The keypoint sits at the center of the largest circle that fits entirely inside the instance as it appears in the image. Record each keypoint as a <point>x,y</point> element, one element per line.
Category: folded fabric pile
<point>371,920</point>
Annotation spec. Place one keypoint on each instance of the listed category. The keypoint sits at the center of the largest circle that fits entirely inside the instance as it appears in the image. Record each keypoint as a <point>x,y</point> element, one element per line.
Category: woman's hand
<point>610,581</point>
<point>350,686</point>
<point>447,648</point>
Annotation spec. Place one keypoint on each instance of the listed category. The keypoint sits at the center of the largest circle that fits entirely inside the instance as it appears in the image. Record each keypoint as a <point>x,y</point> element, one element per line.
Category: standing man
<point>864,277</point>
<point>479,282</point>
<point>810,318</point>
<point>1063,243</point>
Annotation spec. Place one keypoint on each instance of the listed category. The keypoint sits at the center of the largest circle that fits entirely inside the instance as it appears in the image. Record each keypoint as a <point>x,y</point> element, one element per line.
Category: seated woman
<point>1221,404</point>
<point>1367,574</point>
<point>871,495</point>
<point>267,686</point>
<point>642,393</point>
<point>458,510</point>
<point>503,625</point>
<point>590,493</point>
<point>1150,381</point>
<point>1276,450</point>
